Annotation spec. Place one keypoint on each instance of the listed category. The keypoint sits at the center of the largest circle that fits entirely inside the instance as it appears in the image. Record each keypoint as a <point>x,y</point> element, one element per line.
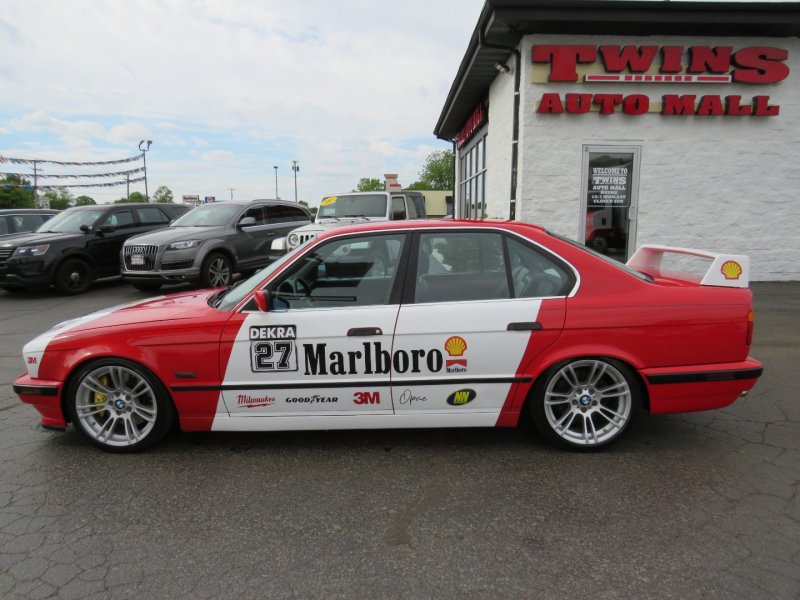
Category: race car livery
<point>390,325</point>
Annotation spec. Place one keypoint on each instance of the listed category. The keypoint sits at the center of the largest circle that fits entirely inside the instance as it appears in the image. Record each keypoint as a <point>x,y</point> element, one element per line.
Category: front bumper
<point>154,264</point>
<point>25,273</point>
<point>45,396</point>
<point>699,387</point>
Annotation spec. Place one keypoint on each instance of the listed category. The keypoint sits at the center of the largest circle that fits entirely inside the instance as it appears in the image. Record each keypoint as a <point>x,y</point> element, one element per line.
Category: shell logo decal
<point>455,346</point>
<point>731,269</point>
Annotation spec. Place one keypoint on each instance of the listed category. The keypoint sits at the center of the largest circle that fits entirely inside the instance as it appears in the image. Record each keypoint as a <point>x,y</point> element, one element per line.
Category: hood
<point>32,239</point>
<point>162,237</point>
<point>176,307</point>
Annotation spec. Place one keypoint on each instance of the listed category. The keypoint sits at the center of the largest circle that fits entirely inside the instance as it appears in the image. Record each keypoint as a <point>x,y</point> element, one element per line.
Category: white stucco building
<point>620,123</point>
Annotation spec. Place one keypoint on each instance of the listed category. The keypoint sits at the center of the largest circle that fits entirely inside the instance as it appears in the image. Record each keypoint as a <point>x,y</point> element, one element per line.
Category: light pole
<point>144,159</point>
<point>276,181</point>
<point>295,168</point>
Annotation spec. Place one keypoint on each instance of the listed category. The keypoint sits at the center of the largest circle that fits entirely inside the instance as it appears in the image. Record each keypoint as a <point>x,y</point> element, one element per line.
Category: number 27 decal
<point>272,356</point>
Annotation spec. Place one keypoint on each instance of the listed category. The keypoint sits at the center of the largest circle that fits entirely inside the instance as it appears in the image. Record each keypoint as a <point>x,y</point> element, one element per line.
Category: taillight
<point>751,317</point>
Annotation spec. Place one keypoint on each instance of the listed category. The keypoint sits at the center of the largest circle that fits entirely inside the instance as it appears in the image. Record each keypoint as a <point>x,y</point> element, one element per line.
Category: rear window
<point>603,257</point>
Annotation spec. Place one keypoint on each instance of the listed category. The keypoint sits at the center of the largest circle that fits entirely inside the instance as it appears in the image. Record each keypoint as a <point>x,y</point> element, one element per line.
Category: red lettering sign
<point>476,119</point>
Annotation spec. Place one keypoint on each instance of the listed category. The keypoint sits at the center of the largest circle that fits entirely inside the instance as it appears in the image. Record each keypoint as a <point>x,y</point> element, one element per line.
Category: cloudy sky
<point>228,89</point>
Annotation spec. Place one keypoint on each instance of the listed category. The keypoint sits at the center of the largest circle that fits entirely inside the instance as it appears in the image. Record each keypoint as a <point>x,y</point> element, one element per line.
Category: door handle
<point>364,331</point>
<point>525,326</point>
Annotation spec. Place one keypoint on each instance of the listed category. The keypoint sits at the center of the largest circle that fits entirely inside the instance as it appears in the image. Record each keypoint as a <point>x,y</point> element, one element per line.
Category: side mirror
<point>85,228</point>
<point>246,222</point>
<point>107,228</point>
<point>262,300</point>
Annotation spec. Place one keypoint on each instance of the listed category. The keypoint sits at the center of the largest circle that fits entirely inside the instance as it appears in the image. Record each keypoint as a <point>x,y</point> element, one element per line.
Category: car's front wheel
<point>119,406</point>
<point>73,276</point>
<point>585,404</point>
<point>217,271</point>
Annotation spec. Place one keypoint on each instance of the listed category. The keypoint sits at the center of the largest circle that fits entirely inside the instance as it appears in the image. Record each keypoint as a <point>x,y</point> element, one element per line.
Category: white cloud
<point>346,88</point>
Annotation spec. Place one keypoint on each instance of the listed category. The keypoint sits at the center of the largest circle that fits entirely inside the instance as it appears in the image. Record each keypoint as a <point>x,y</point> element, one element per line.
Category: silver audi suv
<point>210,243</point>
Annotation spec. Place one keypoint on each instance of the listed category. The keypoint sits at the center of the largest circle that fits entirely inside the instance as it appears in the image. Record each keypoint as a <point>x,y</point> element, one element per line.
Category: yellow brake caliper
<point>101,398</point>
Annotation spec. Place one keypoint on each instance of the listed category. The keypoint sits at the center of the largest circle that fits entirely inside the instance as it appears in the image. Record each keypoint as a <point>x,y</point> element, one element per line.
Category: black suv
<point>78,245</point>
<point>21,220</point>
<point>210,243</point>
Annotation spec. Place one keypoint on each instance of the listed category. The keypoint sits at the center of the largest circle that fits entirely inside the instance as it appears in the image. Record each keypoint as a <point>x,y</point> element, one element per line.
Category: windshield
<point>235,295</point>
<point>71,221</point>
<point>355,205</point>
<point>208,215</point>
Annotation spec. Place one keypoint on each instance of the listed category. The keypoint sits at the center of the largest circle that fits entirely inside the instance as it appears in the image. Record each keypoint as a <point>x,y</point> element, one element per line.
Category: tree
<point>13,196</point>
<point>163,194</point>
<point>134,197</point>
<point>437,172</point>
<point>59,198</point>
<point>311,209</point>
<point>84,201</point>
<point>369,184</point>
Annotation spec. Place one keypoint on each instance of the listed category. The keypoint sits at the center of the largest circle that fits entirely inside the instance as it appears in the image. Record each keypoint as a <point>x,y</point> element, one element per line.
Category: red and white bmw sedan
<point>418,324</point>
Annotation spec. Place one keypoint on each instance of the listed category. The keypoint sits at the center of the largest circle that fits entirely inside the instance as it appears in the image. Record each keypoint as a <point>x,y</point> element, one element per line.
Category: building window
<point>472,178</point>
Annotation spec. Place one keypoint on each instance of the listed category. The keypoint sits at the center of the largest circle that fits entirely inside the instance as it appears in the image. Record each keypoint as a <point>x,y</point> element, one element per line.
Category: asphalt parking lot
<point>703,505</point>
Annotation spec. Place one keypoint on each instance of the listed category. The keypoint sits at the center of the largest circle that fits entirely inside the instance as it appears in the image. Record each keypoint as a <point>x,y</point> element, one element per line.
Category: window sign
<point>610,177</point>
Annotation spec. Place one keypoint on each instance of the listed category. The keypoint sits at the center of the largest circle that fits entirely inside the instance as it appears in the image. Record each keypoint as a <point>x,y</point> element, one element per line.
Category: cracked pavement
<point>701,505</point>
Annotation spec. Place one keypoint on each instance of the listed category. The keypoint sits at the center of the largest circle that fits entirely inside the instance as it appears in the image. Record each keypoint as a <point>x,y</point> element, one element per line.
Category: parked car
<point>78,245</point>
<point>360,207</point>
<point>392,325</point>
<point>212,242</point>
<point>22,220</point>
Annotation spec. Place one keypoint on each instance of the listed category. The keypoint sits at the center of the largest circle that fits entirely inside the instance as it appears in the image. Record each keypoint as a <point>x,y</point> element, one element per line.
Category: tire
<point>119,406</point>
<point>73,276</point>
<point>217,271</point>
<point>585,404</point>
<point>146,287</point>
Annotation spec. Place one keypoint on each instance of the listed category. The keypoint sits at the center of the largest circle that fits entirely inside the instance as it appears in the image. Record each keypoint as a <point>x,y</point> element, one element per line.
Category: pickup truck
<point>359,207</point>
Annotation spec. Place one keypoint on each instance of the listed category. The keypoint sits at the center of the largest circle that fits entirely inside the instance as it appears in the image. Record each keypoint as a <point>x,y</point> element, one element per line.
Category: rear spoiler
<point>726,270</point>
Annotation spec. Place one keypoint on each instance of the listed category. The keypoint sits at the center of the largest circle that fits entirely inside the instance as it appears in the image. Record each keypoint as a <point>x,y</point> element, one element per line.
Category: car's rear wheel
<point>585,404</point>
<point>146,287</point>
<point>217,271</point>
<point>119,406</point>
<point>73,276</point>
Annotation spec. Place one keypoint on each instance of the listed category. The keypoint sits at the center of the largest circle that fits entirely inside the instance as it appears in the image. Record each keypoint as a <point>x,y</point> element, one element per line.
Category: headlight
<point>184,245</point>
<point>31,250</point>
<point>293,239</point>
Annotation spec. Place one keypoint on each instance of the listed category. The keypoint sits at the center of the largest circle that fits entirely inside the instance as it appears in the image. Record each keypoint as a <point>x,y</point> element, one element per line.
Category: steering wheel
<point>304,287</point>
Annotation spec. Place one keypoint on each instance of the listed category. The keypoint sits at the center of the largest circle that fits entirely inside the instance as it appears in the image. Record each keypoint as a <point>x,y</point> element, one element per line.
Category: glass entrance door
<point>608,201</point>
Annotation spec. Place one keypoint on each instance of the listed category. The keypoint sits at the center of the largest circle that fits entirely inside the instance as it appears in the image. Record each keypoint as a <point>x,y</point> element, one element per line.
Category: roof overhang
<point>504,22</point>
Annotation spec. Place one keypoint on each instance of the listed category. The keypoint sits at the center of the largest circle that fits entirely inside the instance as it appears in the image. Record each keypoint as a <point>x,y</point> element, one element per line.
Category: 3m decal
<point>272,348</point>
<point>245,401</point>
<point>461,397</point>
<point>456,346</point>
<point>31,360</point>
<point>367,398</point>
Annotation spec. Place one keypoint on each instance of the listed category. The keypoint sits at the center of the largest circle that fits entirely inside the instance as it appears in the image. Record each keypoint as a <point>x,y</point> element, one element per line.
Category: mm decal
<point>461,397</point>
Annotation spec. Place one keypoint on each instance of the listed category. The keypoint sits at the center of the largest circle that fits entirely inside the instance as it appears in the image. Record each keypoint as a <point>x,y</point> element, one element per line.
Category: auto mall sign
<point>666,65</point>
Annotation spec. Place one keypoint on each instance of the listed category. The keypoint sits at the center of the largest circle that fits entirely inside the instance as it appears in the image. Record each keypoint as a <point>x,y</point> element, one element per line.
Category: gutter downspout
<point>512,206</point>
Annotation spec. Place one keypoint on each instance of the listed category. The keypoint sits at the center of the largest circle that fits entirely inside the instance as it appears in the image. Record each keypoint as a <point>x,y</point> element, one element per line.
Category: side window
<point>398,208</point>
<point>151,215</point>
<point>356,271</point>
<point>411,208</point>
<point>457,266</point>
<point>258,213</point>
<point>295,214</point>
<point>4,228</point>
<point>284,214</point>
<point>534,274</point>
<point>119,219</point>
<point>27,222</point>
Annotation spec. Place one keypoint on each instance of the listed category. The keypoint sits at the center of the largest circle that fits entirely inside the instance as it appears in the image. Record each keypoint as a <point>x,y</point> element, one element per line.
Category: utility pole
<point>276,181</point>
<point>295,168</point>
<point>128,185</point>
<point>231,190</point>
<point>35,179</point>
<point>146,194</point>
